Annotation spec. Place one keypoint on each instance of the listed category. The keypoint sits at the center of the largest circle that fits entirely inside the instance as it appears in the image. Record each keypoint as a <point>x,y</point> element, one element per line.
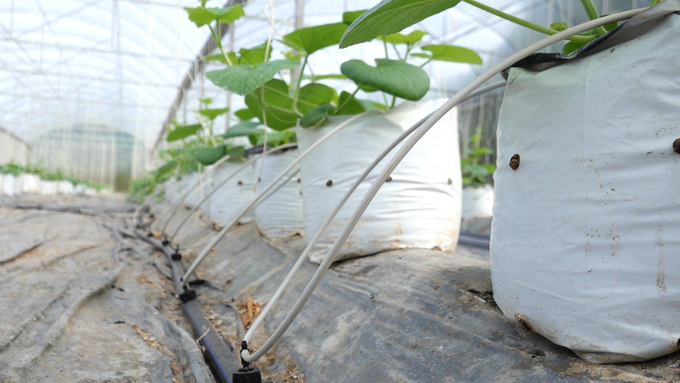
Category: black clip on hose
<point>247,374</point>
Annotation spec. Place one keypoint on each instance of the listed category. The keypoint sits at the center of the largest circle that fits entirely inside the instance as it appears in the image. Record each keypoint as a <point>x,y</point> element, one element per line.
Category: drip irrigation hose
<point>403,151</point>
<point>254,201</point>
<point>177,207</point>
<point>360,179</point>
<point>223,182</point>
<point>186,195</point>
<point>222,357</point>
<point>264,198</point>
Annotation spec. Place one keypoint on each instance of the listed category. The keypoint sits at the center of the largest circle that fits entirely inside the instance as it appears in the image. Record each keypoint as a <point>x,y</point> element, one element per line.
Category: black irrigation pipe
<point>474,240</point>
<point>222,357</point>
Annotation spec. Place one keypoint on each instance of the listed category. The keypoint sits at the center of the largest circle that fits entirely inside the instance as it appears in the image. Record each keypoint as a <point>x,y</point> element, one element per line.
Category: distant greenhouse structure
<point>97,153</point>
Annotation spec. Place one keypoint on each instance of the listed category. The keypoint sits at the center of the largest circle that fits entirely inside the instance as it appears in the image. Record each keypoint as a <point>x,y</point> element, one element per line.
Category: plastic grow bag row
<point>586,229</point>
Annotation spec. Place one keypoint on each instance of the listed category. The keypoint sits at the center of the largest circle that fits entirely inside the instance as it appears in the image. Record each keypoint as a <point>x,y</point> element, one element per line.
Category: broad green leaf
<point>392,16</point>
<point>235,152</point>
<point>559,26</point>
<point>292,55</point>
<point>312,95</point>
<point>208,156</point>
<point>347,104</point>
<point>421,55</point>
<point>398,38</point>
<point>453,53</point>
<point>166,168</point>
<point>244,79</point>
<point>367,88</point>
<point>277,138</point>
<point>315,117</point>
<point>245,128</point>
<point>202,16</point>
<point>390,76</point>
<point>220,57</point>
<point>205,100</point>
<point>571,46</point>
<point>311,39</point>
<point>349,17</point>
<point>278,105</point>
<point>244,114</point>
<point>182,131</point>
<point>254,55</point>
<point>213,113</point>
<point>325,76</point>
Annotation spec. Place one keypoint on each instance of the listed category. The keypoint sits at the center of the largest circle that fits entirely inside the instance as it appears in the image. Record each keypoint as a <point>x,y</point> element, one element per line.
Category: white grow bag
<point>585,246</point>
<point>65,187</point>
<point>419,208</point>
<point>48,188</point>
<point>29,183</point>
<point>232,197</point>
<point>477,209</point>
<point>189,182</point>
<point>8,184</point>
<point>280,216</point>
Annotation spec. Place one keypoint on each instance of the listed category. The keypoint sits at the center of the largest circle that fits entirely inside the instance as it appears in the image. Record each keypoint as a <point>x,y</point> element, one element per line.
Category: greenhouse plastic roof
<point>121,63</point>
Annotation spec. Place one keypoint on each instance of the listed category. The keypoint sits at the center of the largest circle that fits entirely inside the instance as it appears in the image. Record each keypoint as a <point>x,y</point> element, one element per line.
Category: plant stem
<point>218,42</point>
<point>385,45</point>
<point>346,101</point>
<point>397,52</point>
<point>426,62</point>
<point>525,23</point>
<point>591,11</point>
<point>394,99</point>
<point>297,86</point>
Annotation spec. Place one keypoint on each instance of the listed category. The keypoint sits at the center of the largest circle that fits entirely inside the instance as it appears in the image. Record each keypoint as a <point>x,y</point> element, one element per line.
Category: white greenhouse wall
<point>12,149</point>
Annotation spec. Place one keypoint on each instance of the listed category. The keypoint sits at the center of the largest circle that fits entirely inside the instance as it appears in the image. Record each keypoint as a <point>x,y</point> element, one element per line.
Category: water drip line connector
<point>176,256</point>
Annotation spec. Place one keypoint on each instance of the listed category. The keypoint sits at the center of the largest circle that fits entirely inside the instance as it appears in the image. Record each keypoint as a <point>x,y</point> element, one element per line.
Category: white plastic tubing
<point>255,200</point>
<point>403,151</point>
<point>223,182</point>
<point>339,206</point>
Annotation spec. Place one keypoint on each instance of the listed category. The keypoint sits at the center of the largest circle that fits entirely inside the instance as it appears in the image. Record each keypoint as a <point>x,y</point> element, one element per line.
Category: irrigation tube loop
<point>403,151</point>
<point>255,200</point>
<point>224,182</point>
<point>272,301</point>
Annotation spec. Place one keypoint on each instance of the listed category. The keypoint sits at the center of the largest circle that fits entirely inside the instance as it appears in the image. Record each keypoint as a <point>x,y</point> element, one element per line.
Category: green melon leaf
<point>453,54</point>
<point>213,113</point>
<point>392,16</point>
<point>254,55</point>
<point>202,16</point>
<point>208,156</point>
<point>316,116</point>
<point>277,104</point>
<point>325,76</point>
<point>244,128</point>
<point>244,114</point>
<point>312,95</point>
<point>182,132</point>
<point>571,46</point>
<point>349,17</point>
<point>421,55</point>
<point>390,76</point>
<point>398,38</point>
<point>311,39</point>
<point>244,79</point>
<point>347,104</point>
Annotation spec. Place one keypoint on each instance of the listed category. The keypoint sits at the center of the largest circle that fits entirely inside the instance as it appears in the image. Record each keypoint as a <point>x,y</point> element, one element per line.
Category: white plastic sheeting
<point>280,216</point>
<point>477,202</point>
<point>419,208</point>
<point>48,188</point>
<point>8,184</point>
<point>586,231</point>
<point>189,182</point>
<point>232,197</point>
<point>29,183</point>
<point>65,187</point>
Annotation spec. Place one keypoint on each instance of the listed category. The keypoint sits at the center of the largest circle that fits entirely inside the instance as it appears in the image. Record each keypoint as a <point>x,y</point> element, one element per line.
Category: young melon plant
<point>392,16</point>
<point>396,75</point>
